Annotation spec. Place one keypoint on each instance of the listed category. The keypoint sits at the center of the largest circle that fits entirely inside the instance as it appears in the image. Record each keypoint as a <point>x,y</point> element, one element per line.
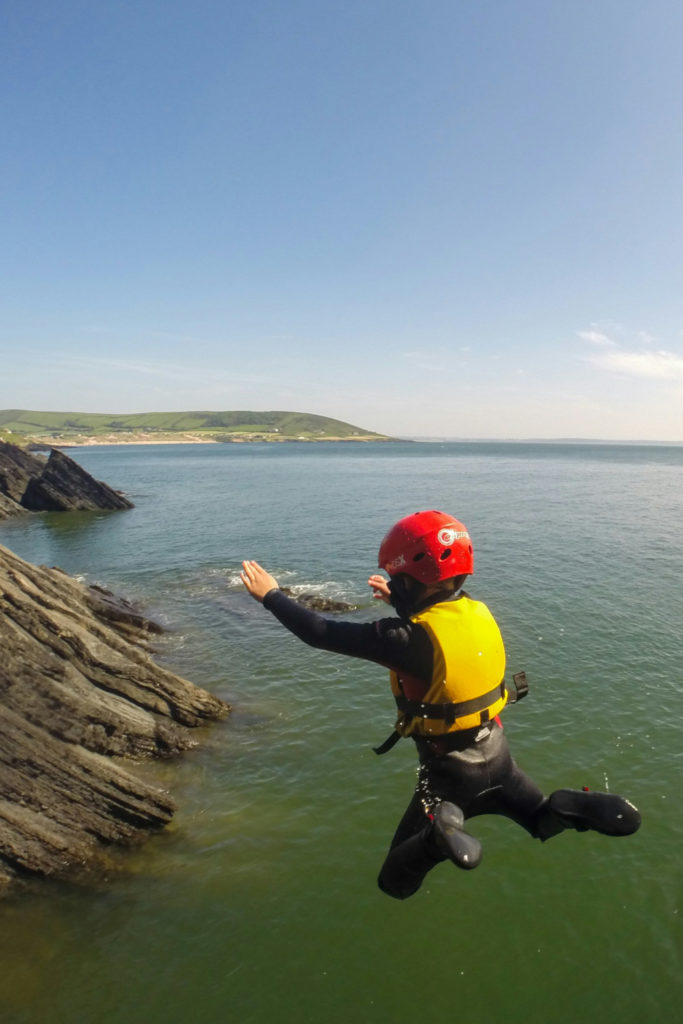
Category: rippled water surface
<point>259,903</point>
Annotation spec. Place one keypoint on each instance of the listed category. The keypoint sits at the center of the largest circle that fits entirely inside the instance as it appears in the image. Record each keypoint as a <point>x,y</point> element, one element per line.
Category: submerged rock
<point>77,686</point>
<point>319,603</point>
<point>56,485</point>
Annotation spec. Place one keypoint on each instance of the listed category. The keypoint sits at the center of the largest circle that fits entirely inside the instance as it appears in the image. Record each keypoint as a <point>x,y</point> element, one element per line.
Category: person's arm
<point>392,642</point>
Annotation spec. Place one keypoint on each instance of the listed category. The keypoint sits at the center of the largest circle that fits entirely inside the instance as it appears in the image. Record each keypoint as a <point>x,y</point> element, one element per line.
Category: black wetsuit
<point>472,768</point>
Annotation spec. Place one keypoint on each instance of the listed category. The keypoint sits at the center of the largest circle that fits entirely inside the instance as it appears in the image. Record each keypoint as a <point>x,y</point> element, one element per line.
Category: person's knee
<point>398,890</point>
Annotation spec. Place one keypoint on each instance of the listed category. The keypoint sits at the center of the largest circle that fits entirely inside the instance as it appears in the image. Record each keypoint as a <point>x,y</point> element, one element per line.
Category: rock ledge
<point>77,687</point>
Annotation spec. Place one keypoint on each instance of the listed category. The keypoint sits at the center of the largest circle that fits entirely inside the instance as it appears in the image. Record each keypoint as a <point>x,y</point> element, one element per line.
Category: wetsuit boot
<point>450,838</point>
<point>584,810</point>
<point>607,813</point>
<point>444,838</point>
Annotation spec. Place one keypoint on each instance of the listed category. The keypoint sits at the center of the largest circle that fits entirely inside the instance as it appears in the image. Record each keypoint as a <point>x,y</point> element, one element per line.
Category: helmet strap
<point>405,593</point>
<point>409,596</point>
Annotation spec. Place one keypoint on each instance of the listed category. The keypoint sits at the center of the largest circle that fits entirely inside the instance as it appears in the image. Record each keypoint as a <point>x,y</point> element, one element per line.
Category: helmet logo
<point>397,563</point>
<point>448,535</point>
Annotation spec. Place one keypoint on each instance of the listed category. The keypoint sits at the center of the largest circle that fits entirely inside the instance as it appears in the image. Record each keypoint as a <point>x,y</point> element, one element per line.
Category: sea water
<point>259,902</point>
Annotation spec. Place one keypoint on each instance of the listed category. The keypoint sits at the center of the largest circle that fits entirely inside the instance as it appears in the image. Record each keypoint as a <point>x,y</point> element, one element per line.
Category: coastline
<point>88,441</point>
<point>110,440</point>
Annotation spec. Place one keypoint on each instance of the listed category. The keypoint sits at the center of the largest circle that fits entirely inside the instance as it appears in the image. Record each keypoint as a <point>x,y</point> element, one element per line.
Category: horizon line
<point>435,438</point>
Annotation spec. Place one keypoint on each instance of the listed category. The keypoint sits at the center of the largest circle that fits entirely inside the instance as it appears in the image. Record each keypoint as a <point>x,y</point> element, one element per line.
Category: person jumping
<point>446,659</point>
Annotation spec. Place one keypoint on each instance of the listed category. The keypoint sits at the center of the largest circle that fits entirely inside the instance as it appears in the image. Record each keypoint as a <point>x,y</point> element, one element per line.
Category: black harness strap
<point>450,712</point>
<point>388,744</point>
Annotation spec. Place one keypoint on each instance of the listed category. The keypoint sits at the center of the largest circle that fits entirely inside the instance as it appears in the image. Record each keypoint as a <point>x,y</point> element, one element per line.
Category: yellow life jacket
<point>467,686</point>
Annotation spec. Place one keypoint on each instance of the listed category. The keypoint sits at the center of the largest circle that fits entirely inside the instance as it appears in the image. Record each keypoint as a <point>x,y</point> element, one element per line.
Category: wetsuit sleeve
<point>393,642</point>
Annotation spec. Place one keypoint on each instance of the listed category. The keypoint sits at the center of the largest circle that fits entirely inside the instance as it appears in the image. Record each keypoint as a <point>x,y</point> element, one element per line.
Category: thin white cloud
<point>660,365</point>
<point>639,359</point>
<point>425,359</point>
<point>439,358</point>
<point>135,366</point>
<point>162,371</point>
<point>597,338</point>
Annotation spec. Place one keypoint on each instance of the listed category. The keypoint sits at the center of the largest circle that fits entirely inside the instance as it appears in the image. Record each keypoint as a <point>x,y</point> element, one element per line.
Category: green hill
<point>19,424</point>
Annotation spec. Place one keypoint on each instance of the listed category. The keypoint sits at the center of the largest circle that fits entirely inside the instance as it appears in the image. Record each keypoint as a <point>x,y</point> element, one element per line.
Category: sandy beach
<point>157,438</point>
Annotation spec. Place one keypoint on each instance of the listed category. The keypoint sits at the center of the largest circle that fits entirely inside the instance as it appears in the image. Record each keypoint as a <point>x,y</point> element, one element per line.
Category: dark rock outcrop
<point>319,603</point>
<point>17,468</point>
<point>77,685</point>
<point>64,485</point>
<point>56,485</point>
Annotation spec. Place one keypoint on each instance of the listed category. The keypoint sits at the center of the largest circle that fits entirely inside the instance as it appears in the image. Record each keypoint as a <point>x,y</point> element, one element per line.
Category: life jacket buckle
<point>521,687</point>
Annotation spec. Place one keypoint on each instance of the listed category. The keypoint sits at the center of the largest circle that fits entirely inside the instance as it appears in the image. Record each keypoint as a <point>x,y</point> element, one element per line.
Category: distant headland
<point>29,428</point>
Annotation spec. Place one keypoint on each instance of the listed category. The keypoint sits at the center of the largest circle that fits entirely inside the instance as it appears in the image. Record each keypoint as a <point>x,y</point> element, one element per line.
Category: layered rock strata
<point>58,484</point>
<point>77,686</point>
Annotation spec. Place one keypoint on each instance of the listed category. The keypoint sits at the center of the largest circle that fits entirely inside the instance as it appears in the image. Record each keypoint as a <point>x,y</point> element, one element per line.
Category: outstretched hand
<point>380,588</point>
<point>257,580</point>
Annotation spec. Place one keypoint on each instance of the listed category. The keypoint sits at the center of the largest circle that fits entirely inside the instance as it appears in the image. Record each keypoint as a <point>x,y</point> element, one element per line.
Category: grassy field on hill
<point>24,426</point>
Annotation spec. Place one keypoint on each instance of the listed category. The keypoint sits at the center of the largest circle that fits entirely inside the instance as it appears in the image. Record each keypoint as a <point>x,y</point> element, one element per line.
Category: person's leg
<point>484,779</point>
<point>515,795</point>
<point>411,855</point>
<point>431,830</point>
<point>511,793</point>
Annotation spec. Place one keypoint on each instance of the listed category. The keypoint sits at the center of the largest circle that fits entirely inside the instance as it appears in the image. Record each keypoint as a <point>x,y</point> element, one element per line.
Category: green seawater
<point>259,903</point>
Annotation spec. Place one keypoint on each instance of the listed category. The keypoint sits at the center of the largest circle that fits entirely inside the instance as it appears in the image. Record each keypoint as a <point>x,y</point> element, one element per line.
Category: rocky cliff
<point>77,686</point>
<point>30,483</point>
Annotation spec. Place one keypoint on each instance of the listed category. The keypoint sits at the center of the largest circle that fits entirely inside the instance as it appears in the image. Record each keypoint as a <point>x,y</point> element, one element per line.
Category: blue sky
<point>432,218</point>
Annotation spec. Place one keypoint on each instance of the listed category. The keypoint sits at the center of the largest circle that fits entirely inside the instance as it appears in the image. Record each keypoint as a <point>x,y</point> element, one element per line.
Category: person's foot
<point>451,839</point>
<point>607,813</point>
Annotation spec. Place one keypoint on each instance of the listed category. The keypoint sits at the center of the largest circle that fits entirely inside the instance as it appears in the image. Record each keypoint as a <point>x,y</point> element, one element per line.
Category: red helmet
<point>429,546</point>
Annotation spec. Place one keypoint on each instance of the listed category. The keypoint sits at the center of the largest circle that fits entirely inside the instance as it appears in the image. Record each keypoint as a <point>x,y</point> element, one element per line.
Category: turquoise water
<point>260,903</point>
